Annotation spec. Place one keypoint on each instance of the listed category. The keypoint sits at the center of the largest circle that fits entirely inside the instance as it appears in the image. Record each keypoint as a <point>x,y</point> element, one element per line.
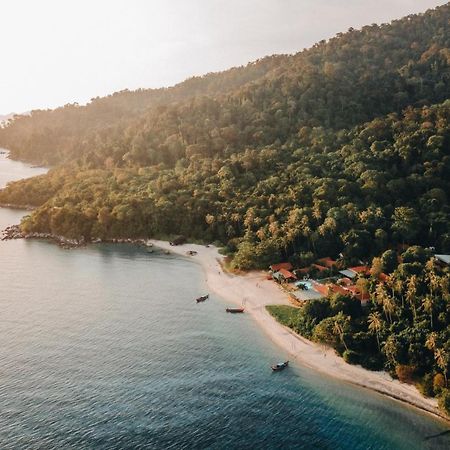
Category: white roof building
<point>443,258</point>
<point>348,273</point>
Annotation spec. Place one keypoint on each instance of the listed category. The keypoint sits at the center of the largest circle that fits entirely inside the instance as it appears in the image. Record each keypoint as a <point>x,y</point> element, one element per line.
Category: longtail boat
<point>235,310</point>
<point>202,298</point>
<point>280,366</point>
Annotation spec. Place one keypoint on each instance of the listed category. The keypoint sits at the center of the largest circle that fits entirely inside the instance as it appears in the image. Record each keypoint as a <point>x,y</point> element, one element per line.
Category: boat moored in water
<point>280,366</point>
<point>235,310</point>
<point>202,298</point>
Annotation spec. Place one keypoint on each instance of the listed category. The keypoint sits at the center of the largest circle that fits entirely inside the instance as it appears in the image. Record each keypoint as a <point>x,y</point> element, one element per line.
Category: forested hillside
<point>342,148</point>
<point>348,80</point>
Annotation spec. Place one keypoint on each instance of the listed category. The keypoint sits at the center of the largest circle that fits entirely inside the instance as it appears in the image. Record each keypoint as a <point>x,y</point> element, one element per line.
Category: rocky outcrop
<point>15,206</point>
<point>14,232</point>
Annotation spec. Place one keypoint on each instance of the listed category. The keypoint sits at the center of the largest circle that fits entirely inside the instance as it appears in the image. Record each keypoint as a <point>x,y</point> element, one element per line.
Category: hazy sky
<point>59,51</point>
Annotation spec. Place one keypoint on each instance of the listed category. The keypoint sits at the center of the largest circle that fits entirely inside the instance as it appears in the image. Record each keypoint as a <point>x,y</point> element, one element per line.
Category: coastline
<point>259,292</point>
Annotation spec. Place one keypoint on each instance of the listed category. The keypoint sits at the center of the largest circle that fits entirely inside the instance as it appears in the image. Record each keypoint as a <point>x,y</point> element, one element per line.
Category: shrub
<point>438,383</point>
<point>351,357</point>
<point>405,373</point>
<point>373,362</point>
<point>444,401</point>
<point>426,385</point>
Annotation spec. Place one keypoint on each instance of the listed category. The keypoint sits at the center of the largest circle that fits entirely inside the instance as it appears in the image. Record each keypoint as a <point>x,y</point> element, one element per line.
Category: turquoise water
<point>105,347</point>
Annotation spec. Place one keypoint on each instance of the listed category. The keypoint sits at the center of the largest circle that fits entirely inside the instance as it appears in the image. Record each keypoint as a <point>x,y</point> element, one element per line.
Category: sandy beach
<point>258,293</point>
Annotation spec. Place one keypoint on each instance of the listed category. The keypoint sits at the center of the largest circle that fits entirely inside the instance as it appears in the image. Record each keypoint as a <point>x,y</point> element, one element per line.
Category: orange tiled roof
<point>327,262</point>
<point>286,274</point>
<point>283,265</point>
<point>345,281</point>
<point>383,277</point>
<point>321,288</point>
<point>339,289</point>
<point>360,269</point>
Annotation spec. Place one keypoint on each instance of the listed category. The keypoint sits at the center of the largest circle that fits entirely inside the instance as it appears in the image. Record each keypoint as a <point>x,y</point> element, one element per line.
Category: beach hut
<point>284,276</point>
<point>287,275</point>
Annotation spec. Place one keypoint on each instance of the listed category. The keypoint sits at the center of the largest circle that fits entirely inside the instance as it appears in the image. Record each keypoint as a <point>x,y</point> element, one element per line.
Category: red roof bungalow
<point>319,267</point>
<point>345,281</point>
<point>321,288</point>
<point>382,277</point>
<point>354,290</point>
<point>336,289</point>
<point>363,297</point>
<point>287,275</point>
<point>279,266</point>
<point>327,262</point>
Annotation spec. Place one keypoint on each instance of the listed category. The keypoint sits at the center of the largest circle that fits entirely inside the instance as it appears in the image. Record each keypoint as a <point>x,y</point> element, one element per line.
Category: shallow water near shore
<point>105,347</point>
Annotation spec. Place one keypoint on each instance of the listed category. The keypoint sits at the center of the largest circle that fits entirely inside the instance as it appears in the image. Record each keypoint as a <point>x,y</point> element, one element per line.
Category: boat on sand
<point>235,310</point>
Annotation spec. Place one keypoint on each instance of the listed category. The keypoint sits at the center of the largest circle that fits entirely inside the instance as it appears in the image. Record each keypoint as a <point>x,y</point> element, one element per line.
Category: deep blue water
<point>104,347</point>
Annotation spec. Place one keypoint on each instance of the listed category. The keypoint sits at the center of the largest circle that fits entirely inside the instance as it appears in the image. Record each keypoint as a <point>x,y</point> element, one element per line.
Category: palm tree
<point>441,358</point>
<point>433,279</point>
<point>428,305</point>
<point>411,293</point>
<point>444,284</point>
<point>431,341</point>
<point>390,349</point>
<point>390,282</point>
<point>389,307</point>
<point>385,301</point>
<point>375,324</point>
<point>398,287</point>
<point>339,330</point>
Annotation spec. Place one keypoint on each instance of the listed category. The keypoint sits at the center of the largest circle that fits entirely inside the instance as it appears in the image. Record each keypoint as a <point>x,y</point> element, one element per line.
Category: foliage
<point>314,201</point>
<point>405,373</point>
<point>444,401</point>
<point>309,153</point>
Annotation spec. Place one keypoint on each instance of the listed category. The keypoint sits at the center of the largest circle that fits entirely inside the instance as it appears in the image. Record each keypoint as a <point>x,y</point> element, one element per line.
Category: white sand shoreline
<point>258,293</point>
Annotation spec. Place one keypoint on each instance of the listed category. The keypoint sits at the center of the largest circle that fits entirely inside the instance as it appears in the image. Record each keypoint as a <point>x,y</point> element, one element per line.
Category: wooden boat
<point>280,366</point>
<point>235,310</point>
<point>202,298</point>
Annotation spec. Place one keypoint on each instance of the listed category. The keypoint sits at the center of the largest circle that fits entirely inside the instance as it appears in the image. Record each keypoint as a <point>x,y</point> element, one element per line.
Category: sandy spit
<point>257,293</point>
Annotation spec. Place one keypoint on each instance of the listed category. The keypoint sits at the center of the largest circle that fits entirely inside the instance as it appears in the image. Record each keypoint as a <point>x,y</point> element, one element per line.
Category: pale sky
<point>59,51</point>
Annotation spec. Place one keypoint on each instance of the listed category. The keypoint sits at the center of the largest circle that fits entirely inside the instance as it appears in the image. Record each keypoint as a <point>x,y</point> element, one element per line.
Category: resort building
<point>353,272</point>
<point>443,259</point>
<point>327,262</point>
<point>284,276</point>
<point>279,266</point>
